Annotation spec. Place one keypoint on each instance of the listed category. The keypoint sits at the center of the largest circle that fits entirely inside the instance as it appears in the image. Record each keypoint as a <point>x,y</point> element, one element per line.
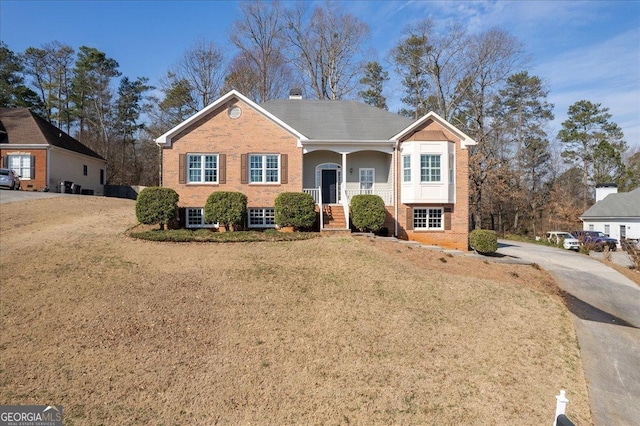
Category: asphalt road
<point>606,316</point>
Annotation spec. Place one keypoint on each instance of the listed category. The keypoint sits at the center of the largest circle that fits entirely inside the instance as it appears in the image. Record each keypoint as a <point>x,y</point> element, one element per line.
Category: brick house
<point>332,150</point>
<point>44,155</point>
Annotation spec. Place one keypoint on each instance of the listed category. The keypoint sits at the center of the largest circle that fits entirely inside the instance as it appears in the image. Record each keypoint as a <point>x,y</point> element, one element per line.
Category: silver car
<point>9,179</point>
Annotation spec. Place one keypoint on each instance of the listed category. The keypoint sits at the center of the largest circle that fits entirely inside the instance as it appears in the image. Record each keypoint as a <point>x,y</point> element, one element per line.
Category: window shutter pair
<point>284,167</point>
<point>222,168</point>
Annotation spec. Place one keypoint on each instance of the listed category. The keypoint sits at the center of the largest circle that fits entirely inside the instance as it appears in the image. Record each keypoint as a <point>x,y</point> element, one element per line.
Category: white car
<point>568,240</point>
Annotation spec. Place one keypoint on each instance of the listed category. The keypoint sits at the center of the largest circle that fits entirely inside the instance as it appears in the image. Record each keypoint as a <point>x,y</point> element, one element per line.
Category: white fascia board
<point>11,146</point>
<point>165,139</point>
<point>609,218</point>
<point>464,139</point>
<point>385,146</point>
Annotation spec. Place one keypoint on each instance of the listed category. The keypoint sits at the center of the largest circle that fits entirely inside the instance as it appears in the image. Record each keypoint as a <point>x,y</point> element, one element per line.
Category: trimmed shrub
<point>156,205</point>
<point>483,241</point>
<point>368,212</point>
<point>295,209</point>
<point>226,208</point>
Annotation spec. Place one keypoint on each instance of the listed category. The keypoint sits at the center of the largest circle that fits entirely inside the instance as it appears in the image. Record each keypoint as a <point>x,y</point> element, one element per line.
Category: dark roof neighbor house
<point>43,155</point>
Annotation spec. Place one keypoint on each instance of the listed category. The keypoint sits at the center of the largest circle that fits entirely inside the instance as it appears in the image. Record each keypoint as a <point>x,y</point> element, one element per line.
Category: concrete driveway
<point>8,196</point>
<point>606,315</point>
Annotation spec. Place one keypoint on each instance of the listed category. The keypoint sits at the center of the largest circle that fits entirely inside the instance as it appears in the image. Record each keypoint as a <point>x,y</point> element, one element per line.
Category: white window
<point>451,170</point>
<point>429,168</point>
<point>195,218</point>
<point>607,230</point>
<point>430,218</point>
<point>264,168</point>
<point>367,177</point>
<point>591,228</point>
<point>21,164</point>
<point>262,218</point>
<point>406,168</point>
<point>202,168</point>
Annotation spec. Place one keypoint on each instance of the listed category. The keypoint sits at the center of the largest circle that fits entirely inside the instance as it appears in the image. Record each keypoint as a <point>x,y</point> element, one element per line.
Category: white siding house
<point>615,214</point>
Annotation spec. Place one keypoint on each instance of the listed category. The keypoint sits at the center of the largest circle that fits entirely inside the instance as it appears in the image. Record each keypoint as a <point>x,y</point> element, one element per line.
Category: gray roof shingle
<point>623,204</point>
<point>337,120</point>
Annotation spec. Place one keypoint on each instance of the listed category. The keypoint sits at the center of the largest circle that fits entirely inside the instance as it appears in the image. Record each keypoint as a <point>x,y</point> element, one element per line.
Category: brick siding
<point>217,133</point>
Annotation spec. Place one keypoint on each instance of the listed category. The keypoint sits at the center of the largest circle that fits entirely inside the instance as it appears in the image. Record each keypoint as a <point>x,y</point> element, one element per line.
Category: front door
<point>329,193</point>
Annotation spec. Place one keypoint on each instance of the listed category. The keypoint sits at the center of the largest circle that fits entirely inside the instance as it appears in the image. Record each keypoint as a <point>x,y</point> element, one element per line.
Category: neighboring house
<point>332,150</point>
<point>615,214</point>
<point>44,155</point>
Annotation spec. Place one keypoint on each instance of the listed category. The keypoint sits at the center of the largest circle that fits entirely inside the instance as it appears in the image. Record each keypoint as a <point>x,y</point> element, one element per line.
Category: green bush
<point>484,241</point>
<point>156,205</point>
<point>368,212</point>
<point>226,208</point>
<point>295,209</point>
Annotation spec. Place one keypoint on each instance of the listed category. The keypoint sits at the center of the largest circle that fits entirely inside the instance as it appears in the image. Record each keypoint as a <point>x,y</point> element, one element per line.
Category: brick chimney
<point>295,93</point>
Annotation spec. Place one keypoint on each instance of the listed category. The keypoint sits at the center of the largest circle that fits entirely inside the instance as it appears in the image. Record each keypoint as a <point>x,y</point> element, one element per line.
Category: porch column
<point>343,189</point>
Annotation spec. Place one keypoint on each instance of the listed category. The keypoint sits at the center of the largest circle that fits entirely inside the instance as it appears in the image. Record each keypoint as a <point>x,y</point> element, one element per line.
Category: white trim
<point>464,139</point>
<point>373,178</point>
<point>427,228</point>
<point>263,217</point>
<point>202,168</point>
<point>203,224</point>
<point>166,138</point>
<point>264,168</point>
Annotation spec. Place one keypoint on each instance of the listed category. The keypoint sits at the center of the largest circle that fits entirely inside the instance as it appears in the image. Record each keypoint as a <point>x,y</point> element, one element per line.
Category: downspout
<point>395,189</point>
<point>47,184</point>
<point>343,190</point>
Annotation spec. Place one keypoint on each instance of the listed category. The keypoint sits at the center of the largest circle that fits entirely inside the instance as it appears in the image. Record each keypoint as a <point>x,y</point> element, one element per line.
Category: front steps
<point>334,219</point>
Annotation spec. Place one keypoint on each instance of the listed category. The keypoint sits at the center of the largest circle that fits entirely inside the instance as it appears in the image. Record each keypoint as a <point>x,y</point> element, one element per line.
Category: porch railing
<point>385,194</point>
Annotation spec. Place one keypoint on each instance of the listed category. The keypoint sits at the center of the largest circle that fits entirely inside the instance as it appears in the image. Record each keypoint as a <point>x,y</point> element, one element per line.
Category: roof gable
<point>622,204</point>
<point>167,138</point>
<point>464,139</point>
<point>23,127</point>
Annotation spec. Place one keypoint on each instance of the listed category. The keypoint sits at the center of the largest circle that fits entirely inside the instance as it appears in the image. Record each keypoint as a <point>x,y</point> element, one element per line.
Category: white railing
<point>385,194</point>
<point>315,193</point>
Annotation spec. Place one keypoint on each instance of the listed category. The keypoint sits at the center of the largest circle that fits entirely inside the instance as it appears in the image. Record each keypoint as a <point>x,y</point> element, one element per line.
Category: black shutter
<point>33,167</point>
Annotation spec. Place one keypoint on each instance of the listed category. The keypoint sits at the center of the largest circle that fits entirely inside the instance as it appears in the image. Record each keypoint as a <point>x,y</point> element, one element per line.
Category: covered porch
<point>333,176</point>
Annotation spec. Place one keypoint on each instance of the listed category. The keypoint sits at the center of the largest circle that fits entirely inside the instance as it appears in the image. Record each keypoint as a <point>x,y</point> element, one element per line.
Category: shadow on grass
<point>588,312</point>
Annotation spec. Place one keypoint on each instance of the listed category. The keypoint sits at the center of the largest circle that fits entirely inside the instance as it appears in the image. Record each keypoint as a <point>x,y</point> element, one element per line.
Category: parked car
<point>595,240</point>
<point>568,241</point>
<point>9,179</point>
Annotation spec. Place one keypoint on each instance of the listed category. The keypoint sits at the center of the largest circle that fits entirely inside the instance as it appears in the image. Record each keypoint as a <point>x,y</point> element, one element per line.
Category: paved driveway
<point>7,196</point>
<point>606,315</point>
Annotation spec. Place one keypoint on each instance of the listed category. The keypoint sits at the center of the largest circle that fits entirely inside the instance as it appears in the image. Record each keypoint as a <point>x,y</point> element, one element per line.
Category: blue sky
<point>581,49</point>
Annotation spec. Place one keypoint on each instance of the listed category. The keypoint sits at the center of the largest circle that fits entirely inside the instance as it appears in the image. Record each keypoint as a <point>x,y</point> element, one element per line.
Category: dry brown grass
<point>325,331</point>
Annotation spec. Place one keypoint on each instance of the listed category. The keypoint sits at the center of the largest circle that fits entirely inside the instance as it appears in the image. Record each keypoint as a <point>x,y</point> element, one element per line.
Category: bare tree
<point>259,35</point>
<point>202,68</point>
<point>327,49</point>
